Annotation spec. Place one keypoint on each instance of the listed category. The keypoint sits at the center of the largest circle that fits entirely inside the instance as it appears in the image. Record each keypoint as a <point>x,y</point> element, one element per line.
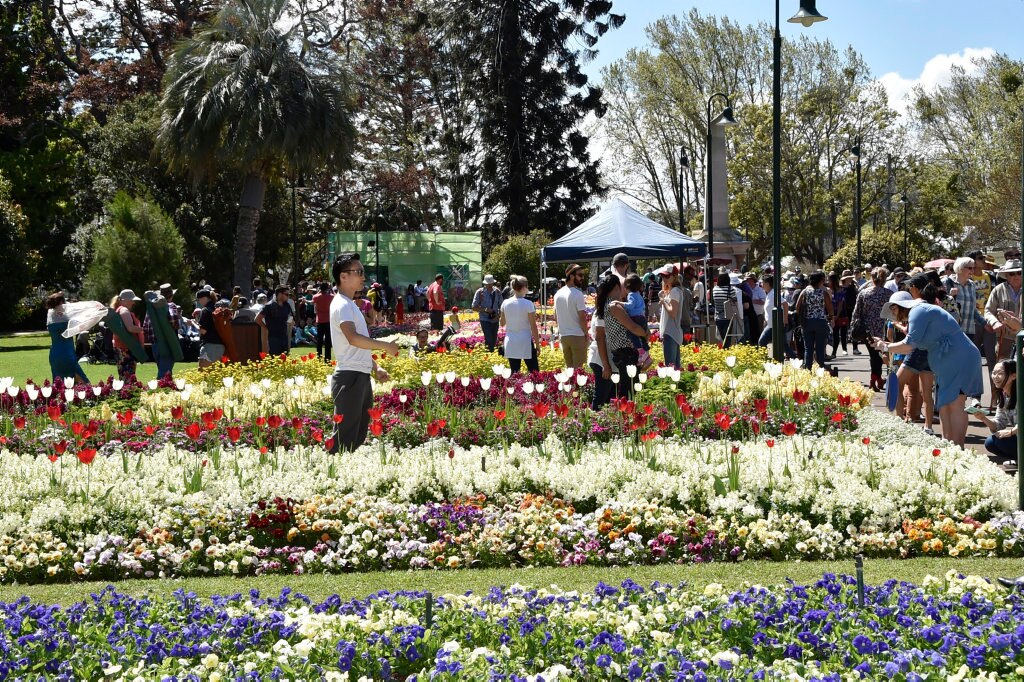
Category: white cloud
<point>936,72</point>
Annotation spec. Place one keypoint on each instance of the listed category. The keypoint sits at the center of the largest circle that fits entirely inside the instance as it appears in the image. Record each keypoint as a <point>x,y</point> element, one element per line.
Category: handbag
<point>859,332</point>
<point>842,321</point>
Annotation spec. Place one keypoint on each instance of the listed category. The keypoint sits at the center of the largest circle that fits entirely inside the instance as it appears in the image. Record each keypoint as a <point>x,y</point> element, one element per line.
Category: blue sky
<point>903,41</point>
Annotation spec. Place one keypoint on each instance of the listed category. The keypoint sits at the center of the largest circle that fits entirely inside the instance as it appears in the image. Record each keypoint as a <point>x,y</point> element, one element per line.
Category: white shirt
<point>757,298</point>
<point>593,353</point>
<point>769,306</point>
<point>518,330</point>
<point>670,326</point>
<point>892,286</point>
<point>349,358</point>
<point>569,301</point>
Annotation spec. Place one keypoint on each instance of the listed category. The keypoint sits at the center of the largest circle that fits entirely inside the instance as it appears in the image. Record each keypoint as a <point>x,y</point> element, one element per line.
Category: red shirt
<point>322,306</point>
<point>435,296</point>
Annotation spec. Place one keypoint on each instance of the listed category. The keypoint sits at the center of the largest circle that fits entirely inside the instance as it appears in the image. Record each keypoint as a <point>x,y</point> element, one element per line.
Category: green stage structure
<point>408,256</point>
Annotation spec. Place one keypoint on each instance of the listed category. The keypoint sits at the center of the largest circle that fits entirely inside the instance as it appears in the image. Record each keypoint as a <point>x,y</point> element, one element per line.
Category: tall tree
<point>532,98</point>
<point>245,93</point>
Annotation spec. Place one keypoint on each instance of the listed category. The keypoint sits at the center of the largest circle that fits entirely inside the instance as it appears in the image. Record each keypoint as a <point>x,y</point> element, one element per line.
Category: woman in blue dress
<point>63,361</point>
<point>953,357</point>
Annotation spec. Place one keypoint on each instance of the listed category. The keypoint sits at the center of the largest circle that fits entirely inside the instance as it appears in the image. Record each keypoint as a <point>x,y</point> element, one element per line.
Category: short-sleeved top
<point>569,302</point>
<point>206,324</point>
<point>813,303</point>
<point>518,331</point>
<point>953,357</point>
<point>275,316</point>
<point>349,358</point>
<point>435,292</point>
<point>488,300</point>
<point>672,326</point>
<point>982,288</point>
<point>322,306</point>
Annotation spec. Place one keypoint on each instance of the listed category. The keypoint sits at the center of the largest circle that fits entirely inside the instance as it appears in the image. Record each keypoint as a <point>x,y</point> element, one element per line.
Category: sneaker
<point>929,432</point>
<point>846,352</point>
<point>856,352</point>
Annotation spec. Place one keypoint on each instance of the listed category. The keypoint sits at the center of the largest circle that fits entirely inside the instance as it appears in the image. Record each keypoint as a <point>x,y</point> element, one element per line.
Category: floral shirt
<point>869,309</point>
<point>813,304</point>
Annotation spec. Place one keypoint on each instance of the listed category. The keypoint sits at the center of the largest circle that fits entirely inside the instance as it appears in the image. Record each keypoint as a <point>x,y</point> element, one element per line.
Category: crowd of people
<point>932,328</point>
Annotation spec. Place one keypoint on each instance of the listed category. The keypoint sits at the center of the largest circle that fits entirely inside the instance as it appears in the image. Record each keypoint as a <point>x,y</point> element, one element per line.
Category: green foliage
<point>17,263</point>
<point>138,247</point>
<point>880,248</point>
<point>519,255</point>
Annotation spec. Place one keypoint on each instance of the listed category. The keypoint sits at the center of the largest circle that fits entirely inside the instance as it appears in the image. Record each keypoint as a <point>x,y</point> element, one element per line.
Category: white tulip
<point>510,389</point>
<point>439,378</point>
<point>581,379</point>
<point>631,371</point>
<point>403,398</point>
<point>69,381</point>
<point>615,377</point>
<point>819,370</point>
<point>677,374</point>
<point>295,391</point>
<point>485,383</point>
<point>266,382</point>
<point>774,369</point>
<point>540,387</point>
<point>289,381</point>
<point>568,388</point>
<point>185,396</point>
<point>326,390</point>
<point>528,387</point>
<point>81,395</point>
<point>642,378</point>
<point>498,369</point>
<point>117,384</point>
<point>569,371</point>
<point>638,387</point>
<point>152,384</point>
<point>47,391</point>
<point>730,361</point>
<point>179,384</point>
<point>662,371</point>
<point>426,376</point>
<point>69,395</point>
<point>300,380</point>
<point>733,384</point>
<point>797,363</point>
<point>449,376</point>
<point>33,393</point>
<point>464,381</point>
<point>13,391</point>
<point>96,390</point>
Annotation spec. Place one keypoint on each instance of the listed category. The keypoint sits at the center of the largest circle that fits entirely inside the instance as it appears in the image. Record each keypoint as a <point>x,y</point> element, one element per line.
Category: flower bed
<point>956,628</point>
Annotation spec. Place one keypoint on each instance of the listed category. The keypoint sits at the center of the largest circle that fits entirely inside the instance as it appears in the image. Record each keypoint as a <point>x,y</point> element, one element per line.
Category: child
<point>637,312</point>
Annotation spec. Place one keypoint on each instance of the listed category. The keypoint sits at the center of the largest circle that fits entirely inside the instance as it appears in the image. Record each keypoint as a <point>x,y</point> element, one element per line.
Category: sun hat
<point>902,299</point>
<point>847,274</point>
<point>1012,265</point>
<point>128,295</point>
<point>488,279</point>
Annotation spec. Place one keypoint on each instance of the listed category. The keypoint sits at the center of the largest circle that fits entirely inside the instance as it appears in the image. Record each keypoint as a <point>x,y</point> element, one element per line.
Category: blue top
<point>634,304</point>
<point>953,357</point>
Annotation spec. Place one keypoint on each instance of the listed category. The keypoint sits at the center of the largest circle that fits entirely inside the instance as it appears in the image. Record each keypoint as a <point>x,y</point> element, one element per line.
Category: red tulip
<point>217,414</point>
<point>433,429</point>
<point>800,397</point>
<point>273,421</point>
<point>53,411</point>
<point>936,452</point>
<point>338,418</point>
<point>499,415</point>
<point>86,455</point>
<point>125,417</point>
<point>664,424</point>
<point>687,338</point>
<point>193,431</point>
<point>648,410</point>
<point>562,411</point>
<point>837,418</point>
<point>318,435</point>
<point>735,449</point>
<point>150,429</point>
<point>761,405</point>
<point>376,413</point>
<point>770,442</point>
<point>296,423</point>
<point>225,359</point>
<point>177,412</point>
<point>540,410</point>
<point>376,428</point>
<point>723,421</point>
<point>19,422</point>
<point>866,440</point>
<point>234,433</point>
<point>680,400</point>
<point>60,447</point>
<point>698,413</point>
<point>329,444</point>
<point>53,458</point>
<point>261,421</point>
<point>451,453</point>
<point>755,426</point>
<point>789,429</point>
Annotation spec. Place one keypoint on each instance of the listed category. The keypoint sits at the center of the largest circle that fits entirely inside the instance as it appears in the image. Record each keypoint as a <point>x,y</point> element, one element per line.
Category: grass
<point>358,585</point>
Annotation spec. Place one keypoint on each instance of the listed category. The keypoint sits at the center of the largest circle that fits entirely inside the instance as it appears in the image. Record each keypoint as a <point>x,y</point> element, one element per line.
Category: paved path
<point>857,367</point>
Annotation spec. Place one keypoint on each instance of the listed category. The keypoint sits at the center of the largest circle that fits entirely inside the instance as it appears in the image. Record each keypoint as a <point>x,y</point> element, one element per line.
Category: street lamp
<point>855,152</point>
<point>905,200</point>
<point>807,15</point>
<point>684,165</point>
<point>724,120</point>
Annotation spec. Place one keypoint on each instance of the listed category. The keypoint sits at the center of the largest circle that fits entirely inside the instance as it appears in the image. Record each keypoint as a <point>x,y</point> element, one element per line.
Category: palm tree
<point>244,93</point>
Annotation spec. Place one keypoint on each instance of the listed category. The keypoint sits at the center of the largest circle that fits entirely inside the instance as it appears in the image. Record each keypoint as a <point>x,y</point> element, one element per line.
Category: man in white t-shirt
<point>350,384</point>
<point>571,316</point>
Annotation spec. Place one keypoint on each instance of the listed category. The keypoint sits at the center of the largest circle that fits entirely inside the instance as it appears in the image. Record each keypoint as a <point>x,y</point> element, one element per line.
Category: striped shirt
<point>720,296</point>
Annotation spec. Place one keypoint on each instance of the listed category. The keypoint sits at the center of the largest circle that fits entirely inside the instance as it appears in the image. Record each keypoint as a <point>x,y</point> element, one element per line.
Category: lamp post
<point>684,165</point>
<point>724,119</point>
<point>807,15</point>
<point>855,152</point>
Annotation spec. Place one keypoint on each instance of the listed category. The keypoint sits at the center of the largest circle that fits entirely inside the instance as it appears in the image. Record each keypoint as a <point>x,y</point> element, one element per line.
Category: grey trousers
<point>353,397</point>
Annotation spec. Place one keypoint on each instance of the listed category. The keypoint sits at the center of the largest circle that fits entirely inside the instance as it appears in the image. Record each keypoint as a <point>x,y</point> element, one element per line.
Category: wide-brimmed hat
<point>128,295</point>
<point>902,299</point>
<point>488,279</point>
<point>1012,265</point>
<point>847,274</point>
<point>571,269</point>
<point>167,287</point>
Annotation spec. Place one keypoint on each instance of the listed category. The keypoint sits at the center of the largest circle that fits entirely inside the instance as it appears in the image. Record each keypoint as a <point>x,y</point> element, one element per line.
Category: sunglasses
<point>355,272</point>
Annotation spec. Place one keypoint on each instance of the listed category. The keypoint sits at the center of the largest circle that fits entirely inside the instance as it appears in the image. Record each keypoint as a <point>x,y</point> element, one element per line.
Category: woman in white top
<point>519,318</point>
<point>670,326</point>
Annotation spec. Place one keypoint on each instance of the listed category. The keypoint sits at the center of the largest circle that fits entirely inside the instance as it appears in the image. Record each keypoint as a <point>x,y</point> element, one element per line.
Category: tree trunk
<point>249,207</point>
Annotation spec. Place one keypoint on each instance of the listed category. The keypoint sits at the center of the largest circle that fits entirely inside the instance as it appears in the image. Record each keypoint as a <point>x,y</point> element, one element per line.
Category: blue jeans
<point>815,340</point>
<point>164,362</point>
<point>1002,447</point>
<point>671,348</point>
<point>603,388</point>
<point>766,340</point>
<point>490,330</point>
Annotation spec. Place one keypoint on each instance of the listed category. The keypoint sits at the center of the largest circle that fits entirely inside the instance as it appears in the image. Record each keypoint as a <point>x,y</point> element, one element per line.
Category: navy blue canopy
<point>619,228</point>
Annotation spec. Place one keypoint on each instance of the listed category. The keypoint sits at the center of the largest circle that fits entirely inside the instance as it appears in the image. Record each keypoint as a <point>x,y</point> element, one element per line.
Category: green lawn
<point>583,578</point>
<point>27,357</point>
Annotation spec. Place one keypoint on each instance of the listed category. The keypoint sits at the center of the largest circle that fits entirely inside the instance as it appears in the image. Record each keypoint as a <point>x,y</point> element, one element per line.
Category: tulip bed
<point>956,628</point>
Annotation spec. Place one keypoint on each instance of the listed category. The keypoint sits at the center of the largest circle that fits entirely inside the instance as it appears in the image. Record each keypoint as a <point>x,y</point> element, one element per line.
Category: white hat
<point>902,299</point>
<point>488,279</point>
<point>667,269</point>
<point>1012,265</point>
<point>128,295</point>
<point>734,279</point>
